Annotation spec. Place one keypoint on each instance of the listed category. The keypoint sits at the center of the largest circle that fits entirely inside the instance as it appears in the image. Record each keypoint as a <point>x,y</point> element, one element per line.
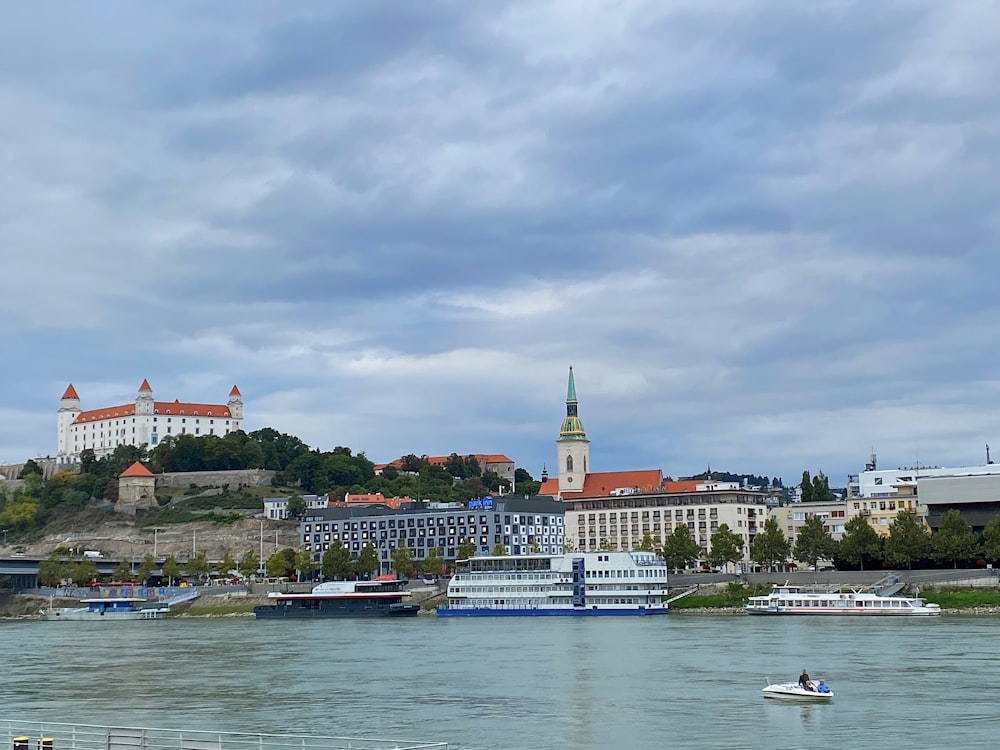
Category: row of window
<point>512,523</point>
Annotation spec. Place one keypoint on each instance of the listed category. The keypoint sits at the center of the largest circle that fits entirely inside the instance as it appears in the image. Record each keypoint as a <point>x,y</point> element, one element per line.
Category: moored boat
<point>107,609</point>
<point>383,597</point>
<point>800,600</point>
<point>577,583</point>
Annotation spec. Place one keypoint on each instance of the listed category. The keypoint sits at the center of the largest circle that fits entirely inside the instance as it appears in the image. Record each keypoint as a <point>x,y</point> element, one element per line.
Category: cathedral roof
<point>602,483</point>
<point>136,470</point>
<point>70,392</point>
<point>572,427</point>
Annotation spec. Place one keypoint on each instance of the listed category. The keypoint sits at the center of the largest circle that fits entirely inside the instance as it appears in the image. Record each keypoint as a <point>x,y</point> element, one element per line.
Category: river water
<point>681,681</point>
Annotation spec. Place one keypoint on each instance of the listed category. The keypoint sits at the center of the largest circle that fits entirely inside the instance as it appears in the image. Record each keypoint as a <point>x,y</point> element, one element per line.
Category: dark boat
<point>383,597</point>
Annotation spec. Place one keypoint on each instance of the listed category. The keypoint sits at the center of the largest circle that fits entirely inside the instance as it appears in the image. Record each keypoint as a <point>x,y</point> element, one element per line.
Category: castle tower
<point>144,401</point>
<point>136,489</point>
<point>572,447</point>
<point>69,410</point>
<point>235,404</point>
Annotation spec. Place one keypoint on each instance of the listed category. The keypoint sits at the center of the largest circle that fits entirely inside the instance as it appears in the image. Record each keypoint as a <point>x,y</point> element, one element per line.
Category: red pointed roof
<point>235,392</point>
<point>681,485</point>
<point>603,483</point>
<point>70,392</point>
<point>136,470</point>
<point>145,385</point>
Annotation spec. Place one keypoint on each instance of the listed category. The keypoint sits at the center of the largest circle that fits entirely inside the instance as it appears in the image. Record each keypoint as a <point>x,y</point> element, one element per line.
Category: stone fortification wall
<point>231,479</point>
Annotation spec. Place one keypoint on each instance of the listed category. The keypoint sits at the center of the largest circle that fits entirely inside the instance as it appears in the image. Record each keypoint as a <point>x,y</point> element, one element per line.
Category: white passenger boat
<point>577,583</point>
<point>115,608</point>
<point>792,691</point>
<point>800,600</point>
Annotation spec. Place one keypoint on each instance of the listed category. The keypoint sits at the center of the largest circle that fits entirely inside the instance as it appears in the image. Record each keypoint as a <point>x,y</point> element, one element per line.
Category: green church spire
<point>572,427</point>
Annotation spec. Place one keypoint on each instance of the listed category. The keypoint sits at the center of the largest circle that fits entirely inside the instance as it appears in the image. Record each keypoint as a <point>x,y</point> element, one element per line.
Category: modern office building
<point>521,525</point>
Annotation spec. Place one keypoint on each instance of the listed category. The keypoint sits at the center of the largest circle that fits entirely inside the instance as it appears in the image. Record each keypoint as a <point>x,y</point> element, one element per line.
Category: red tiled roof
<point>70,392</point>
<point>136,470</point>
<point>600,484</point>
<point>171,408</point>
<point>235,392</point>
<point>549,487</point>
<point>145,385</point>
<point>681,485</point>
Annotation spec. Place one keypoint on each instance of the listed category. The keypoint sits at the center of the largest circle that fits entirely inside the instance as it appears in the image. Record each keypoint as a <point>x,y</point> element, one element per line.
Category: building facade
<point>621,522</point>
<point>792,517</point>
<point>144,422</point>
<point>521,525</point>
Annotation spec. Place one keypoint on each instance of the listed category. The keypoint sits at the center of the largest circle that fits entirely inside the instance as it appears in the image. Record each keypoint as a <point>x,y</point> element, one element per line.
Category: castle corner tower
<point>572,446</point>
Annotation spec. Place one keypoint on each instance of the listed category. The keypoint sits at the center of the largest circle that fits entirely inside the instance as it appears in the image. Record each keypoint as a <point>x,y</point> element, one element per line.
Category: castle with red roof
<point>144,422</point>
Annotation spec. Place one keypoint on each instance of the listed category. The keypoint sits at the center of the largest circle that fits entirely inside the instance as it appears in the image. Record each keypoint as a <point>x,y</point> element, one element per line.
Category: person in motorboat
<point>823,687</point>
<point>804,682</point>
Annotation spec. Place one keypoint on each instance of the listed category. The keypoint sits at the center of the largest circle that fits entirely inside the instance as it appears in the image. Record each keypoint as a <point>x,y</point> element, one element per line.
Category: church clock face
<point>569,480</point>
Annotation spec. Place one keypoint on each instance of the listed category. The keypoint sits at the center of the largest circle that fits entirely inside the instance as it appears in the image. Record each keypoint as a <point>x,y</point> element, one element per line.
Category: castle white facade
<point>145,422</point>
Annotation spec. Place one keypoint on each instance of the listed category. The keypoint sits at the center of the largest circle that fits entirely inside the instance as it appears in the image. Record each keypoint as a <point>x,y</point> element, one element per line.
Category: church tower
<point>69,410</point>
<point>572,447</point>
<point>235,405</point>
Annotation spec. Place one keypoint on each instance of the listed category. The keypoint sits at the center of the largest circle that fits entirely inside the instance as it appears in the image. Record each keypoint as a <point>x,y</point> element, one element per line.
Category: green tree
<point>305,563</point>
<point>680,548</point>
<point>197,566</point>
<point>647,544</point>
<point>171,570</point>
<point>146,568</point>
<point>296,507</point>
<point>278,565</point>
<point>908,540</point>
<point>226,565</point>
<point>770,546</point>
<point>122,571</point>
<point>249,564</point>
<point>954,540</point>
<point>402,561</point>
<point>51,570</point>
<point>499,550</point>
<point>859,543</point>
<point>433,563</point>
<point>821,489</point>
<point>726,547</point>
<point>814,542</point>
<point>466,549</point>
<point>991,540</point>
<point>367,562</point>
<point>806,487</point>
<point>337,563</point>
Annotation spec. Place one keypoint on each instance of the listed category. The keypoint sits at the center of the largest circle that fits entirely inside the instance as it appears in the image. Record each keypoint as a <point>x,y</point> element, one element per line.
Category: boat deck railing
<point>34,735</point>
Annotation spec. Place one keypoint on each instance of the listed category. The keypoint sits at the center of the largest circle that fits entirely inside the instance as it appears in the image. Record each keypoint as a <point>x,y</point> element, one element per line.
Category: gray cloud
<point>764,233</point>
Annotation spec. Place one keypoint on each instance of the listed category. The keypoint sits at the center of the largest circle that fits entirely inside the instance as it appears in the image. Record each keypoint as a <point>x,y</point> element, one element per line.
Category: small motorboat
<point>792,691</point>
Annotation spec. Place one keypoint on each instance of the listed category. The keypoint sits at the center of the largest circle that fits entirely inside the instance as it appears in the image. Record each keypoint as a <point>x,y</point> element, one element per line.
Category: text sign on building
<point>481,502</point>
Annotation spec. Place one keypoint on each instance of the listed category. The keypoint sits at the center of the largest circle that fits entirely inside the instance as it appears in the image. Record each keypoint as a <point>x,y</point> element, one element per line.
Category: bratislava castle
<point>145,422</point>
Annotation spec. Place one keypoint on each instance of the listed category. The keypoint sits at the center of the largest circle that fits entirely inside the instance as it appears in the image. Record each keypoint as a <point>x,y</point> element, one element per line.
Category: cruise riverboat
<point>382,597</point>
<point>114,608</point>
<point>577,583</point>
<point>800,600</point>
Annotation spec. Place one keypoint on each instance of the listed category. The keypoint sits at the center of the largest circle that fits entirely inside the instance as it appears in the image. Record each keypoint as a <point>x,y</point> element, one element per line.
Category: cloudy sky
<point>764,233</point>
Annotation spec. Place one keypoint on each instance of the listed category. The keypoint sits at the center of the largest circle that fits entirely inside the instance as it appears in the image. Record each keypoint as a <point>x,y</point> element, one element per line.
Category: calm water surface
<point>483,684</point>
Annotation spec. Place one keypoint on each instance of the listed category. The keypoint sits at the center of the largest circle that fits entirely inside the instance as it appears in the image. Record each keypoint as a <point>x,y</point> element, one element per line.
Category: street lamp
<point>260,566</point>
<point>5,537</point>
<point>155,530</point>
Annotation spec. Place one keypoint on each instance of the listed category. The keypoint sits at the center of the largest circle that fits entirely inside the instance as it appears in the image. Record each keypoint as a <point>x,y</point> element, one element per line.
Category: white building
<point>144,422</point>
<point>277,507</point>
<point>883,482</point>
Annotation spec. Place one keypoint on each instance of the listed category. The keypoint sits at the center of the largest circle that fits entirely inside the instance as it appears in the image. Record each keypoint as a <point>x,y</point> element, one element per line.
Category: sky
<point>764,233</point>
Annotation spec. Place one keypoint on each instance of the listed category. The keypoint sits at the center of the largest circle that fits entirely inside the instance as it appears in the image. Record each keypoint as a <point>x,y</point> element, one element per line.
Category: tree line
<point>908,543</point>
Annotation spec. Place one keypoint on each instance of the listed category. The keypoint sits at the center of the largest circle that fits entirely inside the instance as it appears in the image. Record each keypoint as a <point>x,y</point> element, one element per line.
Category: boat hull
<point>839,612</point>
<point>74,614</point>
<point>330,610</point>
<point>792,692</point>
<point>546,612</point>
